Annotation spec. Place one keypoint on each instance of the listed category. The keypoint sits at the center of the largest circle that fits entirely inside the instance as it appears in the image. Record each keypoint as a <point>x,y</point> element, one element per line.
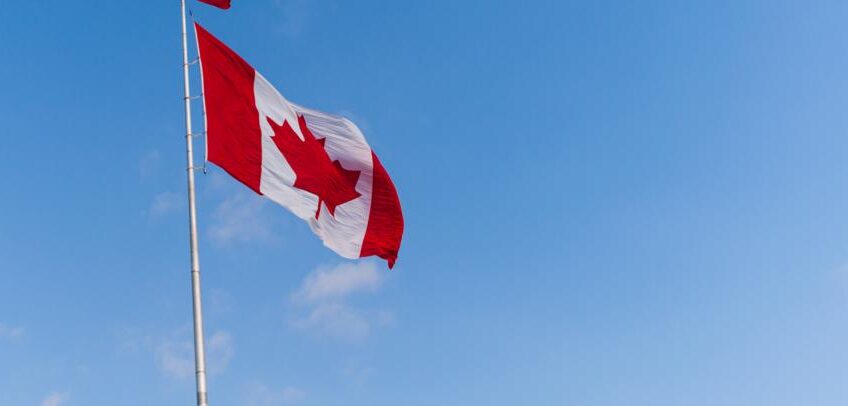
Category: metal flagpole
<point>199,353</point>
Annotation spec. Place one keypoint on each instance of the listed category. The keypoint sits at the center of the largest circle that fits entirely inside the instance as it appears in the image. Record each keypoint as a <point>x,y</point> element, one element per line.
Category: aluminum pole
<point>199,353</point>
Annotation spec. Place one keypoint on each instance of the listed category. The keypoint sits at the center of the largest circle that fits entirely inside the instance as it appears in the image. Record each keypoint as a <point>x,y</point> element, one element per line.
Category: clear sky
<point>607,203</point>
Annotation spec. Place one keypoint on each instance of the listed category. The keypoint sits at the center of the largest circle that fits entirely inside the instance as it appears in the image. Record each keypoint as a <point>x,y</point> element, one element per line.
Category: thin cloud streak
<point>175,356</point>
<point>165,203</point>
<point>241,218</point>
<point>173,353</point>
<point>294,16</point>
<point>261,395</point>
<point>323,302</point>
<point>55,399</point>
<point>149,164</point>
<point>338,283</point>
<point>11,332</point>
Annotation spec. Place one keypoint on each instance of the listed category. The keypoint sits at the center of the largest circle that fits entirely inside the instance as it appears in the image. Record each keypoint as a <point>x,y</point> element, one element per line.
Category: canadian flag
<point>315,164</point>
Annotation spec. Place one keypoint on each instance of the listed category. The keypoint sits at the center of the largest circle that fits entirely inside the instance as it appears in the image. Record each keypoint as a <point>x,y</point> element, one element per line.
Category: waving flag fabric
<point>225,4</point>
<point>315,164</point>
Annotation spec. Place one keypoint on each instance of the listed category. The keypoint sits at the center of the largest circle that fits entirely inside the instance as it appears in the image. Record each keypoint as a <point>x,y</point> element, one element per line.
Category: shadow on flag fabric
<point>224,4</point>
<point>317,165</point>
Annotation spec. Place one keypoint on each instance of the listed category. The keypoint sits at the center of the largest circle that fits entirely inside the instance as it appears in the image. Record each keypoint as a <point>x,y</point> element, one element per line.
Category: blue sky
<point>606,203</point>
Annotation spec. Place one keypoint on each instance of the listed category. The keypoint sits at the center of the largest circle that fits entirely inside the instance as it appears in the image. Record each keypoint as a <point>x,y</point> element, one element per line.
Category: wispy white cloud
<point>175,355</point>
<point>55,399</point>
<point>294,16</point>
<point>149,163</point>
<point>173,352</point>
<point>261,395</point>
<point>164,203</point>
<point>219,302</point>
<point>222,349</point>
<point>357,373</point>
<point>217,182</point>
<point>841,271</point>
<point>174,358</point>
<point>337,283</point>
<point>241,218</point>
<point>324,301</point>
<point>11,332</point>
<point>337,320</point>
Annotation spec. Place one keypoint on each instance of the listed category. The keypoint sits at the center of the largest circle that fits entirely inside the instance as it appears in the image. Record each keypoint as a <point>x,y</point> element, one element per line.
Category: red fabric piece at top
<point>224,4</point>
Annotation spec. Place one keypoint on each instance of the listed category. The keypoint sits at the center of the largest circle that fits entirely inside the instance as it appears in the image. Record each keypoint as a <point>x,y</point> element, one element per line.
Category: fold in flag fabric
<point>224,4</point>
<point>315,164</point>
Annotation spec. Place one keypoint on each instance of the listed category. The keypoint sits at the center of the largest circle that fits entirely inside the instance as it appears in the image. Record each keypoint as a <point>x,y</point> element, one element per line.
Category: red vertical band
<point>385,221</point>
<point>232,120</point>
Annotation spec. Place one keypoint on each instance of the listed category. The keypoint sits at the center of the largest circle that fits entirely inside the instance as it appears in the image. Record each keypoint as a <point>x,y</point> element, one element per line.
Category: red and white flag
<point>315,164</point>
<point>224,4</point>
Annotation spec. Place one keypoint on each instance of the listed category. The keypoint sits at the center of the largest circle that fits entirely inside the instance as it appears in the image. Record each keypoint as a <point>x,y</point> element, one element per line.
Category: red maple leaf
<point>315,172</point>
